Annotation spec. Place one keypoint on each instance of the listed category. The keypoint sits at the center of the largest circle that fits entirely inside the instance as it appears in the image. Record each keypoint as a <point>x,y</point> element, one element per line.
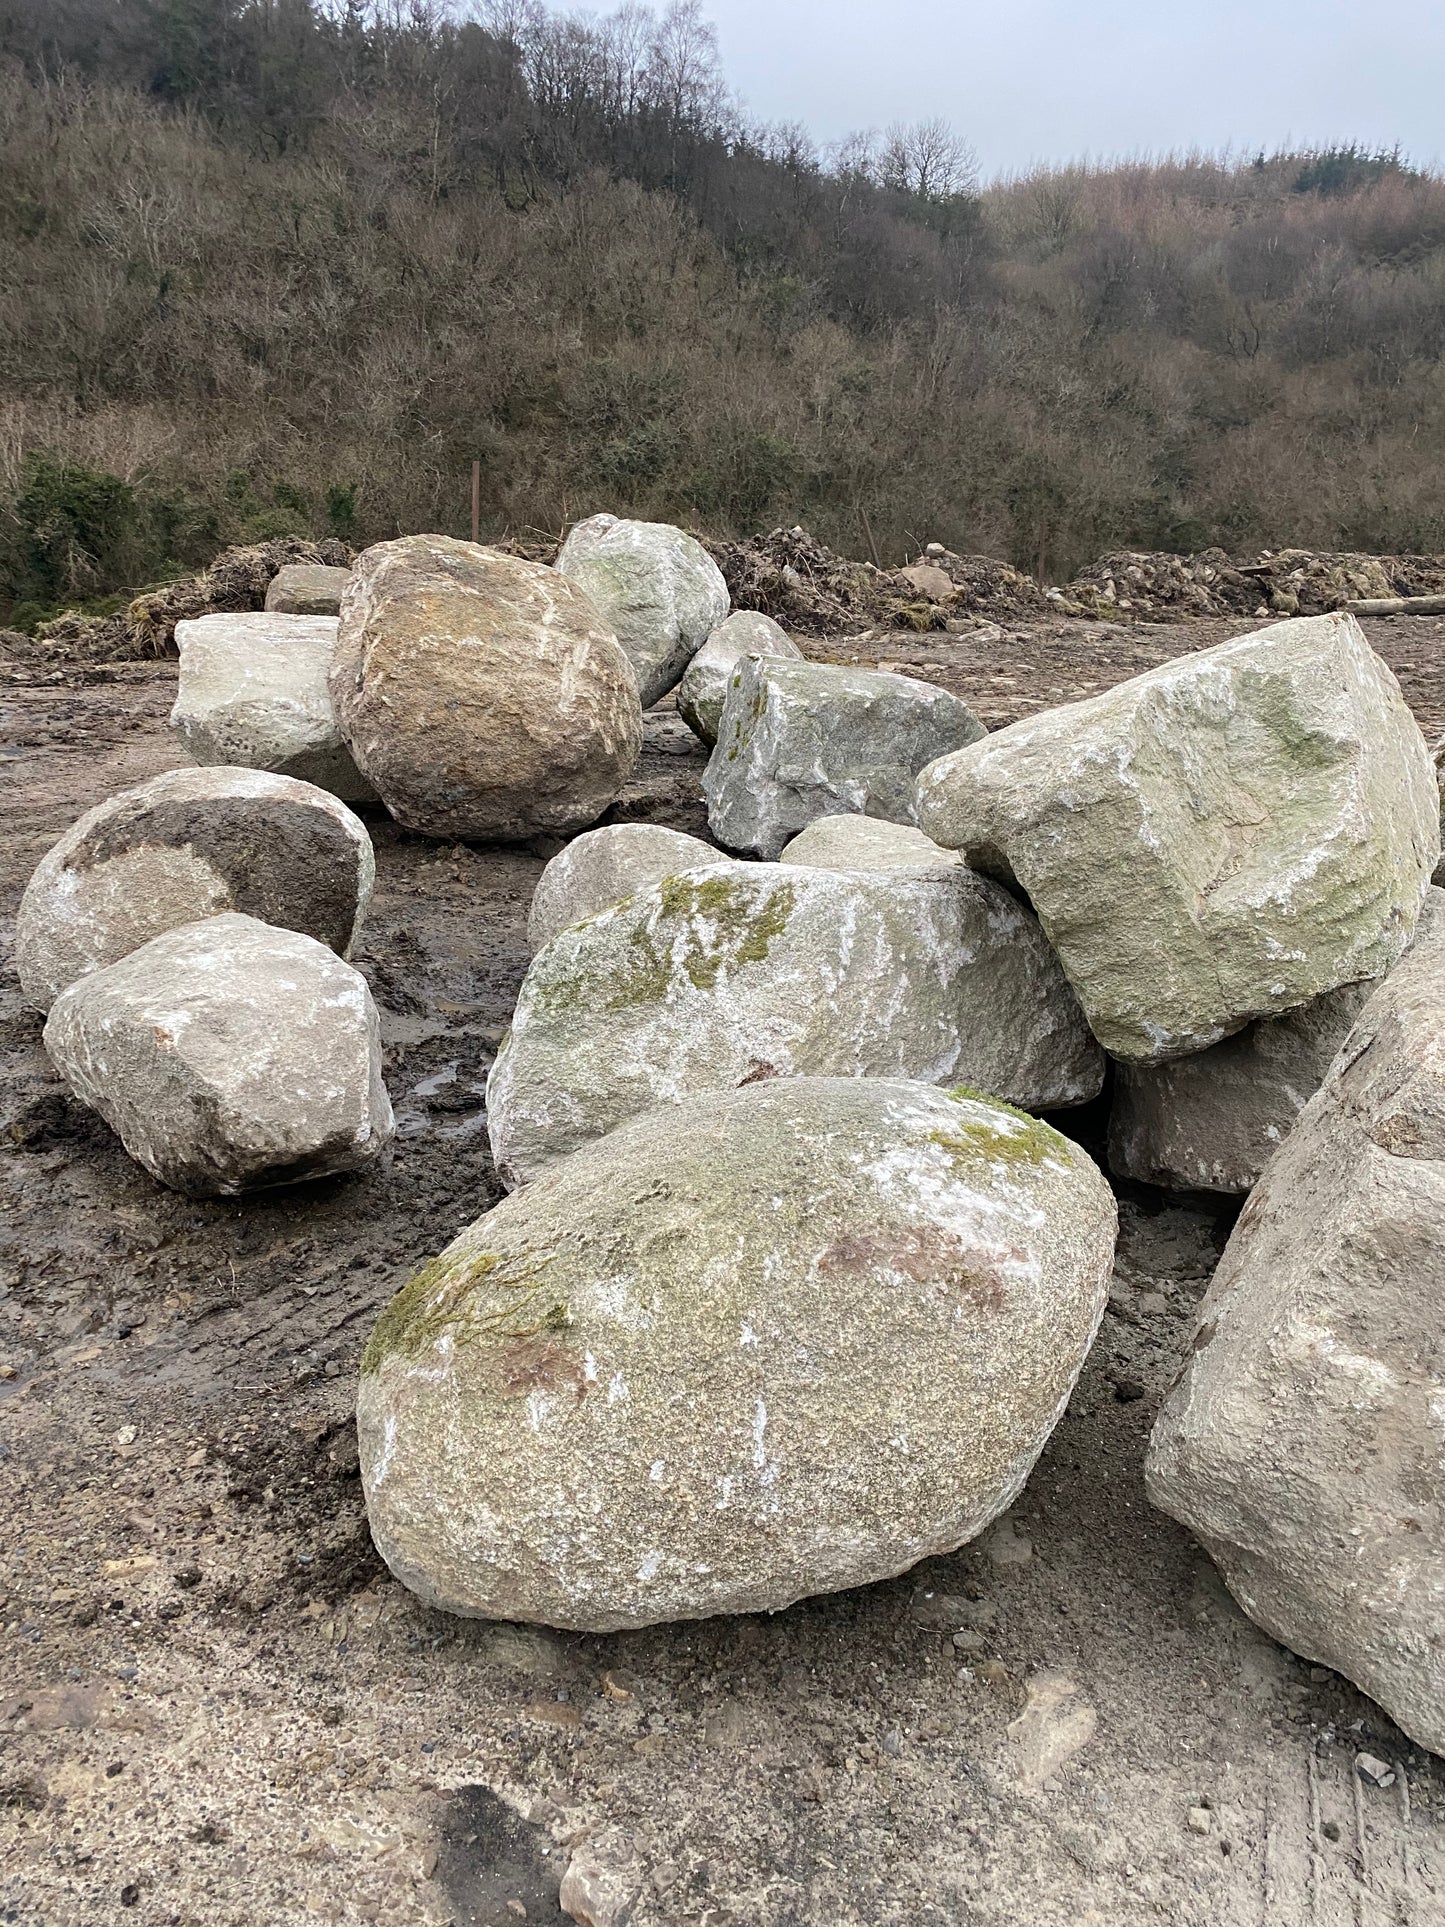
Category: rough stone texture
<point>1226,837</point>
<point>191,843</point>
<point>303,589</point>
<point>1212,1121</point>
<point>929,581</point>
<point>719,978</point>
<point>228,1055</point>
<point>700,694</point>
<point>1302,1441</point>
<point>866,843</point>
<point>1438,758</point>
<point>658,588</point>
<point>253,691</point>
<point>794,1339</point>
<point>601,1884</point>
<point>806,739</point>
<point>482,696</point>
<point>603,866</point>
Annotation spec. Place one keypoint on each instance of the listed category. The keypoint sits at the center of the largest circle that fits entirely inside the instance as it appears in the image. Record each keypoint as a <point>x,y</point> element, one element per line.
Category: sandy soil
<point>217,1711</point>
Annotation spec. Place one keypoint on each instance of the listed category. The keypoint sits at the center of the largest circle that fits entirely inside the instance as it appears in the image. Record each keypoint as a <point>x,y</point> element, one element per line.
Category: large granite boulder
<point>482,696</point>
<point>704,686</point>
<point>723,977</point>
<point>1227,837</point>
<point>1302,1441</point>
<point>657,588</point>
<point>191,843</point>
<point>306,589</point>
<point>603,866</point>
<point>799,740</point>
<point>866,843</point>
<point>228,1055</point>
<point>1211,1122</point>
<point>253,691</point>
<point>793,1338</point>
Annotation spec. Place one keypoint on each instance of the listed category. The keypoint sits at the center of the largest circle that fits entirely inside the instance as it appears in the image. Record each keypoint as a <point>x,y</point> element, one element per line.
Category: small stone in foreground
<point>228,1055</point>
<point>1377,1772</point>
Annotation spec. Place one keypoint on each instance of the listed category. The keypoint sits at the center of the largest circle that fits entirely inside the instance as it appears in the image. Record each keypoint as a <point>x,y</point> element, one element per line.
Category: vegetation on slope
<point>276,269</point>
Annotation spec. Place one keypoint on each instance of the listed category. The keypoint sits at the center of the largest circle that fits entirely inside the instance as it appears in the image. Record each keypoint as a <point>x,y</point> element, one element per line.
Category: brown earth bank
<point>216,1710</point>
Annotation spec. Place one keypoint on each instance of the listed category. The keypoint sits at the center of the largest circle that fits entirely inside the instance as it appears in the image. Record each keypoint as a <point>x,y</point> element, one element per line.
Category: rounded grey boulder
<point>603,866</point>
<point>191,843</point>
<point>704,686</point>
<point>227,1056</point>
<point>657,587</point>
<point>794,1339</point>
<point>867,843</point>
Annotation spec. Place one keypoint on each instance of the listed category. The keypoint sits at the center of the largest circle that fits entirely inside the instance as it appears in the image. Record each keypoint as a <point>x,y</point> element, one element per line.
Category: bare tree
<point>927,158</point>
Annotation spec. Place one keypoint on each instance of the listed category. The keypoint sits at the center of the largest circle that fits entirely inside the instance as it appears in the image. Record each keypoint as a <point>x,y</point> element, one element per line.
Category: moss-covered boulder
<point>721,977</point>
<point>800,740</point>
<point>794,1339</point>
<point>655,585</point>
<point>1224,838</point>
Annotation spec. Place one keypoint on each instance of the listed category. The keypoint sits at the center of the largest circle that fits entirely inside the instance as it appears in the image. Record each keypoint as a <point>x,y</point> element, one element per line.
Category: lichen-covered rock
<point>867,843</point>
<point>799,740</point>
<point>657,587</point>
<point>253,691</point>
<point>792,1339</point>
<point>1227,837</point>
<point>228,1055</point>
<point>306,589</point>
<point>700,694</point>
<point>603,866</point>
<point>1302,1441</point>
<point>1211,1122</point>
<point>481,695</point>
<point>191,843</point>
<point>723,977</point>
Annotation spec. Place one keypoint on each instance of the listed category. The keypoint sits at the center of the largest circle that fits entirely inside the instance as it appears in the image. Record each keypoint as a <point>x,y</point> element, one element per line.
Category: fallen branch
<point>1398,605</point>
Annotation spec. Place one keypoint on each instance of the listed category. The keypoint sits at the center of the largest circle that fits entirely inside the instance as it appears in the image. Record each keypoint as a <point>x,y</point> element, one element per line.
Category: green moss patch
<point>971,1139</point>
<point>442,1297</point>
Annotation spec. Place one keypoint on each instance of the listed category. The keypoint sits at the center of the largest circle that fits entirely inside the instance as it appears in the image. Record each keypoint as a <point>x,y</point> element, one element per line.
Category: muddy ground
<point>217,1711</point>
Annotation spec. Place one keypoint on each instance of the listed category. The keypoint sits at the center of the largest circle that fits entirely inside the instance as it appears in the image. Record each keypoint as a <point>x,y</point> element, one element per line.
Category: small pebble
<point>1374,1772</point>
<point>1200,1820</point>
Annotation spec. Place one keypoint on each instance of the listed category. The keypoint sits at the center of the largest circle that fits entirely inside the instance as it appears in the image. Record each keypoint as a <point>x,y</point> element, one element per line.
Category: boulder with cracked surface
<point>187,844</point>
<point>254,692</point>
<point>600,867</point>
<point>656,586</point>
<point>800,740</point>
<point>481,695</point>
<point>795,1338</point>
<point>1301,1442</point>
<point>1223,838</point>
<point>228,1056</point>
<point>720,977</point>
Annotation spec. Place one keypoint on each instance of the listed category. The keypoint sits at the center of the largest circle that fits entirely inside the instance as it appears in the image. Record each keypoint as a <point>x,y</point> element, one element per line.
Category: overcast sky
<point>1030,80</point>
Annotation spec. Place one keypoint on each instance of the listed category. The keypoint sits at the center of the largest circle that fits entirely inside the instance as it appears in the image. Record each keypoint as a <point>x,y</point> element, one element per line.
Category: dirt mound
<point>1147,587</point>
<point>237,579</point>
<point>810,588</point>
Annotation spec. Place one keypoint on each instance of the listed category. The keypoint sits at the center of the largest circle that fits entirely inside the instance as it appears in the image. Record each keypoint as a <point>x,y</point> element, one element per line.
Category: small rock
<point>1376,1772</point>
<point>600,1886</point>
<point>893,1743</point>
<point>929,581</point>
<point>1200,1820</point>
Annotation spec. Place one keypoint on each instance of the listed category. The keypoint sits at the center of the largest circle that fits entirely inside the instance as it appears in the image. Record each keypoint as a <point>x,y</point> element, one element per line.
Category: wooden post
<point>476,501</point>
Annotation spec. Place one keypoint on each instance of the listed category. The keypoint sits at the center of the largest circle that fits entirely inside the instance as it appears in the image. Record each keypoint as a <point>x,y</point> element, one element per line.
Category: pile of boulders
<point>795,1279</point>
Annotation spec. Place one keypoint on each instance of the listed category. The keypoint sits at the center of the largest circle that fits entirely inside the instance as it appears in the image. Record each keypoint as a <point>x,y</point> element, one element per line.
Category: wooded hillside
<point>276,268</point>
